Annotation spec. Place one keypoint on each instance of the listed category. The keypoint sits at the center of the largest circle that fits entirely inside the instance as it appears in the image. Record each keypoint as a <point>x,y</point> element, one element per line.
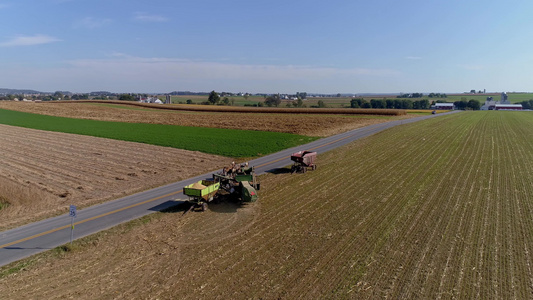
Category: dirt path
<point>42,173</point>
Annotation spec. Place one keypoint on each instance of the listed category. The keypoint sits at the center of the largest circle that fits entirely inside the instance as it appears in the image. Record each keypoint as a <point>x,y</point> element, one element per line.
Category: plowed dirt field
<point>438,209</point>
<point>42,172</point>
<point>310,125</point>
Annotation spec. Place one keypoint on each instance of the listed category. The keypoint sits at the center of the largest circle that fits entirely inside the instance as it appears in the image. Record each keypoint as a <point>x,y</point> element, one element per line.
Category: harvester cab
<point>239,181</point>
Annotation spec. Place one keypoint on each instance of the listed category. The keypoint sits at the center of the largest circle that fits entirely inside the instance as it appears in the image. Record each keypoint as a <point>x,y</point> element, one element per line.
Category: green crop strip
<point>227,142</point>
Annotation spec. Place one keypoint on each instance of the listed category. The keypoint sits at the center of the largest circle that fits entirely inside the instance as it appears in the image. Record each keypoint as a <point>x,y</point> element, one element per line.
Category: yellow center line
<point>86,220</point>
<point>144,202</point>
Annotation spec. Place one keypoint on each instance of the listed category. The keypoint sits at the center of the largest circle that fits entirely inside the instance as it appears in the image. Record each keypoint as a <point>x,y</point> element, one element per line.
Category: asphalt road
<point>33,238</point>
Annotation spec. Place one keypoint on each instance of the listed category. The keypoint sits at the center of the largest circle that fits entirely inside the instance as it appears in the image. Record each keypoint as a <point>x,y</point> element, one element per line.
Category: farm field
<point>43,172</point>
<point>301,124</point>
<point>513,97</point>
<point>336,102</point>
<point>208,140</point>
<point>434,209</point>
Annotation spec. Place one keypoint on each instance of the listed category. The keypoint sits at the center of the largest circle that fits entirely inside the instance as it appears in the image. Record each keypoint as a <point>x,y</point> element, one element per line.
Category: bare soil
<point>42,173</point>
<point>303,124</point>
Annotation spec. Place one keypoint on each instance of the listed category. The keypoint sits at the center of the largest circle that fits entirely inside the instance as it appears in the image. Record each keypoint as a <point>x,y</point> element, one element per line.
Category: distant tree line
<point>528,104</point>
<point>12,97</point>
<point>390,103</point>
<point>437,95</point>
<point>413,95</point>
<point>463,104</point>
<point>420,95</point>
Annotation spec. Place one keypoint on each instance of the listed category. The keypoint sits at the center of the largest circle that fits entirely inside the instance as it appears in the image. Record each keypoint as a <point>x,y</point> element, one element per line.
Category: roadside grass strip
<point>226,142</point>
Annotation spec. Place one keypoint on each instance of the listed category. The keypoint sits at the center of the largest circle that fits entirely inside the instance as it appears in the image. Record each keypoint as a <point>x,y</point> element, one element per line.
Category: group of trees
<point>463,104</point>
<point>127,97</point>
<point>301,95</point>
<point>437,95</point>
<point>12,97</point>
<point>528,104</point>
<point>390,103</point>
<point>413,95</point>
<point>420,95</point>
<point>215,99</point>
<point>272,100</point>
<point>45,97</point>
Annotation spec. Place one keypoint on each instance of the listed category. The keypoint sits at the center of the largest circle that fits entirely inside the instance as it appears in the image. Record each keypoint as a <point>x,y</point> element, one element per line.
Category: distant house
<point>150,100</point>
<point>447,106</point>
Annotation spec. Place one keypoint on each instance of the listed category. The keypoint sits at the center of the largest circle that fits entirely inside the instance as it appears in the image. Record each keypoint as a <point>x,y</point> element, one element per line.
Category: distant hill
<point>15,91</point>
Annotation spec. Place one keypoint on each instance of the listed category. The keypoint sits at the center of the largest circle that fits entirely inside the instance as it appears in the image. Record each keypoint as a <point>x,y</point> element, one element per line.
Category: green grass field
<point>226,142</point>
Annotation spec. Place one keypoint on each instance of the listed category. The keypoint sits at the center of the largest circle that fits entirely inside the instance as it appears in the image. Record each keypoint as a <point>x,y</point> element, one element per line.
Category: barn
<point>508,107</point>
<point>448,106</point>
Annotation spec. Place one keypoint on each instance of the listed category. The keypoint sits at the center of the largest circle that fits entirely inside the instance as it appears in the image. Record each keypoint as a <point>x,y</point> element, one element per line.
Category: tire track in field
<point>435,212</point>
<point>508,234</point>
<point>466,207</point>
<point>448,226</point>
<point>416,214</point>
<point>522,163</point>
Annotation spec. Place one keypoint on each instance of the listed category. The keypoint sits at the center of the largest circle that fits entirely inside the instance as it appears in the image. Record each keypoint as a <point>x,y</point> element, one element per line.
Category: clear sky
<point>289,46</point>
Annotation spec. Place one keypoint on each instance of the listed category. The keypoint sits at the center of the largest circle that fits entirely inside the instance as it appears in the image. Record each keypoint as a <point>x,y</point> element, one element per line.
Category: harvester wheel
<point>304,169</point>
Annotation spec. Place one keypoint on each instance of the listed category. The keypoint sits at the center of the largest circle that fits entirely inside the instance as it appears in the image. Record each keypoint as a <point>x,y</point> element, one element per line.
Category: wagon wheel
<point>204,206</point>
<point>304,169</point>
<point>314,167</point>
<point>293,169</point>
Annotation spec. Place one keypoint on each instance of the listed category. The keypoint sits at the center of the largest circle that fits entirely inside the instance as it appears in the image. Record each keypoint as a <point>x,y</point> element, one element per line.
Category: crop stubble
<point>41,172</point>
<point>437,209</point>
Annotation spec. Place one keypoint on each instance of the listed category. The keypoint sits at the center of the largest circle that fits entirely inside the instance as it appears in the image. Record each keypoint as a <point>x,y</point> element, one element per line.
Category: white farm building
<point>448,106</point>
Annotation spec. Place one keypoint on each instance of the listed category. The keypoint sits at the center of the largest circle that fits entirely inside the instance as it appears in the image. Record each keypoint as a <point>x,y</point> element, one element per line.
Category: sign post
<point>72,215</point>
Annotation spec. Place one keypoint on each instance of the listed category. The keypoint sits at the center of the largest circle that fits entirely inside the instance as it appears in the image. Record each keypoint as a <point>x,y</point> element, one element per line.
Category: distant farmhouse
<point>503,104</point>
<point>150,100</point>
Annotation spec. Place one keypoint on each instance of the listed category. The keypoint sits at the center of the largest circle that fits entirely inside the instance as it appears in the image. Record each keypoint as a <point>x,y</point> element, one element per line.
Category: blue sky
<point>289,46</point>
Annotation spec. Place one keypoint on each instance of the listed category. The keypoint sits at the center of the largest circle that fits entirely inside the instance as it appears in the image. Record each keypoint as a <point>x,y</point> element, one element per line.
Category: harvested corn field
<point>303,124</point>
<point>435,209</point>
<point>42,173</point>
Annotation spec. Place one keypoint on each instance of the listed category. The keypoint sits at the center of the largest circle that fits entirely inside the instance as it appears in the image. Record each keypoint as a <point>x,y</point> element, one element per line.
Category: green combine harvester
<point>237,181</point>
